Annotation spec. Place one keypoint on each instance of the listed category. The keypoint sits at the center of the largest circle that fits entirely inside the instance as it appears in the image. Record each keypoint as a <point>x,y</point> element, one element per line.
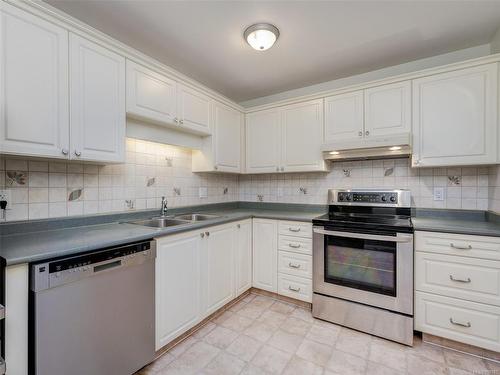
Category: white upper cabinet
<point>344,116</point>
<point>302,137</point>
<point>388,110</point>
<point>222,151</point>
<point>97,90</point>
<point>193,110</point>
<point>286,139</point>
<point>263,141</point>
<point>150,95</point>
<point>33,85</point>
<point>455,117</point>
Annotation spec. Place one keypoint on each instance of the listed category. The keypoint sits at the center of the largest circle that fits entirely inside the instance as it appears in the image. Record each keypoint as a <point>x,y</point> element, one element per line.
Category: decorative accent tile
<point>75,194</point>
<point>16,178</point>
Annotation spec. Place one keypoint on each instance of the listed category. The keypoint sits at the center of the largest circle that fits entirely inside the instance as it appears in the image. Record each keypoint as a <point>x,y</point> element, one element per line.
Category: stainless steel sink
<point>196,217</point>
<point>160,222</point>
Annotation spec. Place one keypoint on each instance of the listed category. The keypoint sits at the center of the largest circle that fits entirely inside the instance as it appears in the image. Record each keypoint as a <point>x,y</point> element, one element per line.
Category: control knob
<point>384,198</point>
<point>348,198</point>
<point>341,198</point>
<point>393,199</point>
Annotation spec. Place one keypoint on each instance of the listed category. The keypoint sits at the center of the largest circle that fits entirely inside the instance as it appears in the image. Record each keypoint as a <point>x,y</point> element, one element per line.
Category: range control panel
<point>367,197</point>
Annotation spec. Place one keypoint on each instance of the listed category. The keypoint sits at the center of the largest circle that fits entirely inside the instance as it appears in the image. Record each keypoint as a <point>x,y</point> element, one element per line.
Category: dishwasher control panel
<point>62,271</point>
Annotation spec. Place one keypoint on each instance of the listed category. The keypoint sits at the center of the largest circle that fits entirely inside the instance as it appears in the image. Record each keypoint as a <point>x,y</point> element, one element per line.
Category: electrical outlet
<point>203,192</point>
<point>439,194</point>
<point>5,195</point>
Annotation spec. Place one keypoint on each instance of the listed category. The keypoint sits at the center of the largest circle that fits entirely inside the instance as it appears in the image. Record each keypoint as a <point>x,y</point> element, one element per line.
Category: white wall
<point>447,58</point>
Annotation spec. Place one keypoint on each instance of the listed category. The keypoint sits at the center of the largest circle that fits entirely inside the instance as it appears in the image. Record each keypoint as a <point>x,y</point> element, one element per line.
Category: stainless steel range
<point>363,262</point>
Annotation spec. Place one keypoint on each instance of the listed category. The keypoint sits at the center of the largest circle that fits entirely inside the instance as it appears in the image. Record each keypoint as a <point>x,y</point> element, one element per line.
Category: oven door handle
<point>364,236</point>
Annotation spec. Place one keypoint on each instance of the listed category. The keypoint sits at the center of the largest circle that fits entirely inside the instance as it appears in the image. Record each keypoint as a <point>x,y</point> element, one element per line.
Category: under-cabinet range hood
<point>380,148</point>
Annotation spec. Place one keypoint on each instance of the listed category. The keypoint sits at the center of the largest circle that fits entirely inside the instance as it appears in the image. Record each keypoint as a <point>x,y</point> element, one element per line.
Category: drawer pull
<point>468,247</point>
<point>294,230</point>
<point>293,265</point>
<point>466,325</point>
<point>293,289</point>
<point>293,246</point>
<point>468,280</point>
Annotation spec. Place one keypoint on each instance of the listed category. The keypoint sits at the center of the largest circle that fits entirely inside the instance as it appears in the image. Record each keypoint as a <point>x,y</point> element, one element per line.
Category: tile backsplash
<point>48,188</point>
<point>463,188</point>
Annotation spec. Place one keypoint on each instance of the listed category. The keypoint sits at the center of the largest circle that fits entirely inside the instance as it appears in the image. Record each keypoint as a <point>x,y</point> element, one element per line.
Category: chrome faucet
<point>163,206</point>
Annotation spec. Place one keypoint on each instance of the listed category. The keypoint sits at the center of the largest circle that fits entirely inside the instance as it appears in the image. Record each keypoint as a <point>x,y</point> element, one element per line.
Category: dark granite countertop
<point>59,238</point>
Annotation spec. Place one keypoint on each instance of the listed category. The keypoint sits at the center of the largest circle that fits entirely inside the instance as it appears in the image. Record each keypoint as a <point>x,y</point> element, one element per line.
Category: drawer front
<point>295,287</point>
<point>458,244</point>
<point>468,322</point>
<point>295,264</point>
<point>471,279</point>
<point>296,229</point>
<point>295,244</point>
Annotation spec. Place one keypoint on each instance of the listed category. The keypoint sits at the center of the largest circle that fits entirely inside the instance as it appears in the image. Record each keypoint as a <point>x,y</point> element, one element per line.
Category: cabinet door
<point>178,285</point>
<point>302,136</point>
<point>263,141</point>
<point>218,267</point>
<point>388,110</point>
<point>227,138</point>
<point>193,110</point>
<point>344,117</point>
<point>34,85</point>
<point>455,117</point>
<point>243,256</point>
<point>97,77</point>
<point>265,254</point>
<point>150,96</point>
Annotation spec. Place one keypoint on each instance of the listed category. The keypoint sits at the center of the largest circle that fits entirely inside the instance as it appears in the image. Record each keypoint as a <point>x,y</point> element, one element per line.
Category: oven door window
<point>362,264</point>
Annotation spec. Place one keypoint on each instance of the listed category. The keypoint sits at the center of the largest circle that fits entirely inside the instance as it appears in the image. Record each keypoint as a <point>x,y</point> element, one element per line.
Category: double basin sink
<point>170,221</point>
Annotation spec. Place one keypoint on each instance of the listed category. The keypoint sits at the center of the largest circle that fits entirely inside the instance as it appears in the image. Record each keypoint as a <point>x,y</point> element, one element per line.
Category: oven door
<point>369,268</point>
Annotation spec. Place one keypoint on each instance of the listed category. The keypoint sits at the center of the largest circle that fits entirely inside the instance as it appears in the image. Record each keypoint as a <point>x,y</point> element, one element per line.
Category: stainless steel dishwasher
<point>93,314</point>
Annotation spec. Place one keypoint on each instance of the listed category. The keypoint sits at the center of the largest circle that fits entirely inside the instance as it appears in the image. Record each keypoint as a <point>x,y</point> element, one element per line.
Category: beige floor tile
<point>249,297</point>
<point>345,363</point>
<point>323,334</point>
<point>285,341</point>
<point>458,371</point>
<point>388,353</point>
<point>421,366</point>
<point>464,361</point>
<point>223,317</point>
<point>272,318</point>
<point>296,326</point>
<point>250,311</point>
<point>238,306</point>
<point>263,302</point>
<point>304,314</point>
<point>193,360</point>
<point>254,370</point>
<point>282,307</point>
<point>237,323</point>
<point>203,331</point>
<point>224,364</point>
<point>271,360</point>
<point>314,352</point>
<point>161,363</point>
<point>299,366</point>
<point>244,347</point>
<point>353,342</point>
<point>377,369</point>
<point>428,351</point>
<point>221,337</point>
<point>184,345</point>
<point>259,331</point>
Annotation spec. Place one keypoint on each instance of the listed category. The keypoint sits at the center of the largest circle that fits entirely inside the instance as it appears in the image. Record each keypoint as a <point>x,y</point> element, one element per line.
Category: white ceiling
<point>319,41</point>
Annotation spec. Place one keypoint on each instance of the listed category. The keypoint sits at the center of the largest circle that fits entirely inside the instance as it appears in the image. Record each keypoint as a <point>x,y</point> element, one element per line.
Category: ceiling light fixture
<point>261,36</point>
<point>395,148</point>
<point>334,152</point>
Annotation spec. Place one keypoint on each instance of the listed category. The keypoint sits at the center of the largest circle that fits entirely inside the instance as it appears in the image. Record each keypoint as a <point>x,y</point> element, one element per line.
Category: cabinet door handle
<point>293,246</point>
<point>181,122</point>
<point>239,226</point>
<point>466,325</point>
<point>277,169</point>
<point>78,153</point>
<point>367,132</point>
<point>216,167</point>
<point>207,234</point>
<point>176,119</point>
<point>467,247</point>
<point>294,230</point>
<point>64,151</point>
<point>293,265</point>
<point>360,133</point>
<point>293,288</point>
<point>467,280</point>
<point>202,235</point>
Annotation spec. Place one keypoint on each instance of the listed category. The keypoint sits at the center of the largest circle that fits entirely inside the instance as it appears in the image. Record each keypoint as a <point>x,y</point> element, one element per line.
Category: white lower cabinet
<point>243,258</point>
<point>178,285</point>
<point>457,286</point>
<point>217,267</point>
<point>196,273</point>
<point>265,254</point>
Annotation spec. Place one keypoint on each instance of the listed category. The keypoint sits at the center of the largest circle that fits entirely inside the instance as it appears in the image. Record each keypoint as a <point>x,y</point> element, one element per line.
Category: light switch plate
<point>203,192</point>
<point>439,194</point>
